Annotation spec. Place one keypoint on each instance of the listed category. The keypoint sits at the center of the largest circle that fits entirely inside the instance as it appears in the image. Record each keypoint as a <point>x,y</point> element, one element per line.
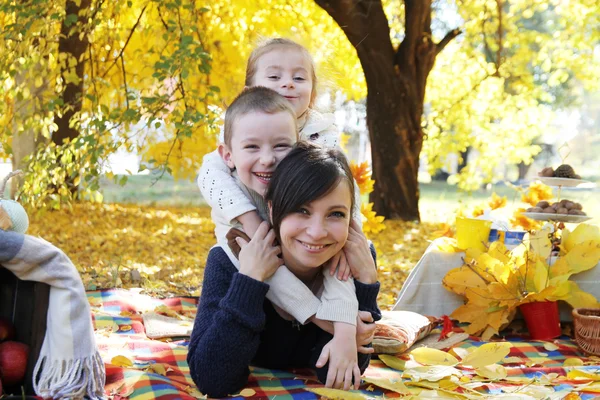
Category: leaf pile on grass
<point>163,249</point>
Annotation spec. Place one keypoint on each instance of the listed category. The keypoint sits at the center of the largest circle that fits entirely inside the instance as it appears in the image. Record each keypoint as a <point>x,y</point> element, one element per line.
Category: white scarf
<point>69,365</point>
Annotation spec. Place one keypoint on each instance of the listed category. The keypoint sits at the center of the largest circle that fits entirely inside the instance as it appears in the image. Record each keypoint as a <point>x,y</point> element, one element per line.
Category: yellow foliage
<point>372,223</point>
<point>528,224</point>
<point>362,176</point>
<point>496,282</point>
<point>537,192</point>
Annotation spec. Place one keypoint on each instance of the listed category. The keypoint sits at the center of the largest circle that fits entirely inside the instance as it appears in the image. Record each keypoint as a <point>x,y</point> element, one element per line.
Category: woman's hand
<point>358,256</point>
<point>343,360</point>
<point>258,258</point>
<point>365,329</point>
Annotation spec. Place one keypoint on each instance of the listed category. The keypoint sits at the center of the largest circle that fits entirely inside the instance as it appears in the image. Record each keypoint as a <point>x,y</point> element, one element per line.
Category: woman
<point>311,199</point>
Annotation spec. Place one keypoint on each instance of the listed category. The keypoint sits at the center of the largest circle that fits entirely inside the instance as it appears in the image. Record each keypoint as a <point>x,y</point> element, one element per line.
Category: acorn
<point>13,216</point>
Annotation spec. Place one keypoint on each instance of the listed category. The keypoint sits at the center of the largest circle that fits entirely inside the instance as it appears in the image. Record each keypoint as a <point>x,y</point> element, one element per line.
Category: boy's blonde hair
<point>256,99</point>
<point>272,44</point>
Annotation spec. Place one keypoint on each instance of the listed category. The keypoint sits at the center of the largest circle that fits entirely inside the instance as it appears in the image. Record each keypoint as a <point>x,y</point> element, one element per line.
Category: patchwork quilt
<point>141,368</point>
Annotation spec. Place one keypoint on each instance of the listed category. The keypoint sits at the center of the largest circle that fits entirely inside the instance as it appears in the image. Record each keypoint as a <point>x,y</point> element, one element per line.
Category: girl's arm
<point>227,328</point>
<point>220,190</point>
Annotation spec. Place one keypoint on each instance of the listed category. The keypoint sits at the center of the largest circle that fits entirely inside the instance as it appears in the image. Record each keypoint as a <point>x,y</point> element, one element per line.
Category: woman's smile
<point>314,248</point>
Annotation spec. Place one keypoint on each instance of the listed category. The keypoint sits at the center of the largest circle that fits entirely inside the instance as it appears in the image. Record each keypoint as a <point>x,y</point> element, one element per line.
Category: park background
<point>108,108</point>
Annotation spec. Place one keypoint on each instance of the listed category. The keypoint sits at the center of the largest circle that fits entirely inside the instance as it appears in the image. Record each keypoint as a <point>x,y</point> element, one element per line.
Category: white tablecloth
<point>424,293</point>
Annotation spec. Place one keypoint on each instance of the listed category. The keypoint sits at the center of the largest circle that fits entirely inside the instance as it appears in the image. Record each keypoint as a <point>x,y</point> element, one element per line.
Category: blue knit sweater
<point>236,326</point>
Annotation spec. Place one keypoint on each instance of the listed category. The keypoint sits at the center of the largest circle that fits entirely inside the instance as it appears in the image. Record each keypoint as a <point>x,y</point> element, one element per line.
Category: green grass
<point>439,201</point>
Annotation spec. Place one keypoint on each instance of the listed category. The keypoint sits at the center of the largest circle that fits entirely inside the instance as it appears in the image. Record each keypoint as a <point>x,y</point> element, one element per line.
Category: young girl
<point>287,68</point>
<point>311,193</point>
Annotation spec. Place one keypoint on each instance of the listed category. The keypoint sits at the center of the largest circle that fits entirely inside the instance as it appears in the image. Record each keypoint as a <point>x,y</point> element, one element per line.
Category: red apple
<point>13,362</point>
<point>7,330</point>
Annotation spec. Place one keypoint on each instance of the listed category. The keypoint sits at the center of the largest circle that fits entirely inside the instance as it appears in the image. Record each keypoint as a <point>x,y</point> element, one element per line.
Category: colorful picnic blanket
<point>141,368</point>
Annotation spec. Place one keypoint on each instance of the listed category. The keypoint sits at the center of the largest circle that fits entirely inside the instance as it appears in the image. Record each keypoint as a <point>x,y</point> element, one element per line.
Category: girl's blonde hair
<point>271,44</point>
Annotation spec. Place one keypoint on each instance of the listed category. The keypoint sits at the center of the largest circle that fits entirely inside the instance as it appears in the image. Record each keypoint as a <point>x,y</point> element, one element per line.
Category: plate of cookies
<point>562,211</point>
<point>563,175</point>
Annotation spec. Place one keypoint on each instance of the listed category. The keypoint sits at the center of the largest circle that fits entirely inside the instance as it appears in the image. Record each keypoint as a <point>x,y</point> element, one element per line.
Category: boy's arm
<point>338,300</point>
<point>250,221</point>
<point>220,190</point>
<point>289,293</point>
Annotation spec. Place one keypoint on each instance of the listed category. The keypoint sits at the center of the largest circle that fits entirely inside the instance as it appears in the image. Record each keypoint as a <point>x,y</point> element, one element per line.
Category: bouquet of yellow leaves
<point>372,223</point>
<point>495,282</point>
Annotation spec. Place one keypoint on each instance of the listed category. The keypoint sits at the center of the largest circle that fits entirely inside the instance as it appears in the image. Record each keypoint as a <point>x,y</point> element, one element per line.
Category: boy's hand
<point>250,221</point>
<point>343,361</point>
<point>365,329</point>
<point>340,264</point>
<point>327,326</point>
<point>258,258</point>
<point>358,256</point>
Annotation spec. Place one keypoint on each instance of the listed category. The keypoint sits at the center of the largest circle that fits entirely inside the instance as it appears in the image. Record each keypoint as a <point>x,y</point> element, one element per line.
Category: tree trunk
<point>396,81</point>
<point>25,141</point>
<point>73,45</point>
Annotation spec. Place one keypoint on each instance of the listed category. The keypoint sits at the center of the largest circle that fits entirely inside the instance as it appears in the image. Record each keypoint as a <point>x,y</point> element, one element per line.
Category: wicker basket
<point>586,323</point>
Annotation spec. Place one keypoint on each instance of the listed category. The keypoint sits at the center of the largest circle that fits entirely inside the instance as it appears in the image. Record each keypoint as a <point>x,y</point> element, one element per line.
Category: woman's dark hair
<point>306,174</point>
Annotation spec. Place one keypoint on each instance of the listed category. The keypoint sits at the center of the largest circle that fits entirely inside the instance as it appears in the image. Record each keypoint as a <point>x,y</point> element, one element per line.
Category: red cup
<point>542,319</point>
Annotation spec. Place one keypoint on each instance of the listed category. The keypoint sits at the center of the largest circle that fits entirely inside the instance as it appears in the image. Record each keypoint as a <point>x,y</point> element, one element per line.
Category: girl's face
<point>315,233</point>
<point>288,72</point>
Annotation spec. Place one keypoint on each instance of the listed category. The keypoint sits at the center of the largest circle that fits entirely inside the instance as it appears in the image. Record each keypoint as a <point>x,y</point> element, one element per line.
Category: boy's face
<point>259,142</point>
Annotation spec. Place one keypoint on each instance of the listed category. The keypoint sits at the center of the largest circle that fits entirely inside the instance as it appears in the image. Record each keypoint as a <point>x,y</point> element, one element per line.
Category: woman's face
<point>316,232</point>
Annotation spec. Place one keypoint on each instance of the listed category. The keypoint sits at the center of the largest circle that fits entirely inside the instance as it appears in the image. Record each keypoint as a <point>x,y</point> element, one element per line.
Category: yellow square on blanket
<point>397,331</point>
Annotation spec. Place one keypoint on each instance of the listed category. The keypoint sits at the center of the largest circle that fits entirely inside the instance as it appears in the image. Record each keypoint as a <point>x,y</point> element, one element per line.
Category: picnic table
<point>424,293</point>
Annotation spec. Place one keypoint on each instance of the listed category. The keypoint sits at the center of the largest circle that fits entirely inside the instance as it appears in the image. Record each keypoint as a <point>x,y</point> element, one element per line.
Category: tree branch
<point>447,39</point>
<point>499,51</point>
<point>127,41</point>
<point>125,81</point>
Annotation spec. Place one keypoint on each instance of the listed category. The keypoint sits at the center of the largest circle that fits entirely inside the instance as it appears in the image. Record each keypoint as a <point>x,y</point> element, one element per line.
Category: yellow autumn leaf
<point>157,368</point>
<point>539,242</point>
<point>486,354</point>
<point>194,392</point>
<point>121,361</point>
<point>583,256</point>
<point>493,371</point>
<point>577,298</point>
<point>427,356</point>
<point>583,375</point>
<point>94,302</point>
<point>446,245</point>
<point>392,362</point>
<point>572,396</point>
<point>395,386</point>
<point>432,373</point>
<point>496,201</point>
<point>336,394</point>
<point>582,233</point>
<point>362,175</point>
<point>573,362</point>
<point>247,392</point>
<point>460,352</point>
<point>550,346</point>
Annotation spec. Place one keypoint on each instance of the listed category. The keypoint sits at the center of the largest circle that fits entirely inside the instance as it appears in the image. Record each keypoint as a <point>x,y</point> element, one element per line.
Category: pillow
<point>397,331</point>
